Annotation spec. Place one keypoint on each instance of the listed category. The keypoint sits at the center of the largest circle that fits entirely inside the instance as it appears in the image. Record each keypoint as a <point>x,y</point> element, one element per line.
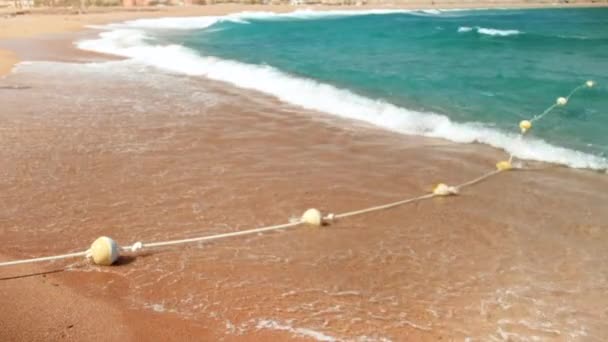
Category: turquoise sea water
<point>484,70</point>
<point>435,63</point>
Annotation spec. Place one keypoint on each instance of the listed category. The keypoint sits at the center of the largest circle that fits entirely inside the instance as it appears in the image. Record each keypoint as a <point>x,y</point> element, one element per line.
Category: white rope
<point>413,199</point>
<point>479,179</point>
<point>224,235</point>
<point>519,139</point>
<point>541,115</point>
<point>49,258</point>
<point>139,245</point>
<point>548,110</point>
<point>537,117</point>
<point>384,206</point>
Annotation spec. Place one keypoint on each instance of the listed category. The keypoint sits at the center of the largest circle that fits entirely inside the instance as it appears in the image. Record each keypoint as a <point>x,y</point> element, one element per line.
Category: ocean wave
<point>578,37</point>
<point>489,31</point>
<point>314,95</point>
<point>191,23</point>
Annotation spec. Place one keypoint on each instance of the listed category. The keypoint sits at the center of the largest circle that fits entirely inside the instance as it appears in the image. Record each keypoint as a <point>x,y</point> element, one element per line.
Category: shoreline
<point>40,22</point>
<point>8,60</point>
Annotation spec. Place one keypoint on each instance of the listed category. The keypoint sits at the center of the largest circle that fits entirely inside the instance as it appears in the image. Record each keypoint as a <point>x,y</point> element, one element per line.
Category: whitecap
<point>489,31</point>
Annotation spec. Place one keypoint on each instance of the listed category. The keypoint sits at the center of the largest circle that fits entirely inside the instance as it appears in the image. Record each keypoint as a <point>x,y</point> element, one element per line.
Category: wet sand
<point>8,59</point>
<point>124,150</point>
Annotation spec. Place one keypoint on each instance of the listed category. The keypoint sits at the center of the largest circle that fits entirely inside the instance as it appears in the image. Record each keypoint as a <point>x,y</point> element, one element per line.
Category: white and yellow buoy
<point>561,101</point>
<point>525,125</point>
<point>104,251</point>
<point>504,165</point>
<point>442,189</point>
<point>313,217</point>
<point>590,84</point>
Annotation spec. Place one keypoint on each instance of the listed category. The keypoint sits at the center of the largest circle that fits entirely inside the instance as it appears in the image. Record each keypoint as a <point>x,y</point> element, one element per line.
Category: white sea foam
<point>135,44</point>
<point>191,23</point>
<point>489,31</point>
<point>432,11</point>
<point>303,332</point>
<point>496,32</point>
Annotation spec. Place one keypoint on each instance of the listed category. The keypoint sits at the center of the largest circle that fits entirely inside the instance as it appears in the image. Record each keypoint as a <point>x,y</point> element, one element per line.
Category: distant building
<point>17,3</point>
<point>139,3</point>
<point>132,3</point>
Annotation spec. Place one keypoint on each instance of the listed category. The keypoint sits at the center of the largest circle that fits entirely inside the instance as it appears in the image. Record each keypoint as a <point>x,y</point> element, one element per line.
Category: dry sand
<point>7,60</point>
<point>522,254</point>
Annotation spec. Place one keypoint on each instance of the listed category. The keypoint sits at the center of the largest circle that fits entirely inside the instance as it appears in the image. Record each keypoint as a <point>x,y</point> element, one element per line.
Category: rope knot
<point>137,246</point>
<point>330,218</point>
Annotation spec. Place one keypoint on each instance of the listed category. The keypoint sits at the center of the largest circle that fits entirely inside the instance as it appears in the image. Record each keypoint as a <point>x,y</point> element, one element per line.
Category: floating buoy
<point>525,125</point>
<point>445,190</point>
<point>590,84</point>
<point>504,165</point>
<point>104,251</point>
<point>313,217</point>
<point>562,101</point>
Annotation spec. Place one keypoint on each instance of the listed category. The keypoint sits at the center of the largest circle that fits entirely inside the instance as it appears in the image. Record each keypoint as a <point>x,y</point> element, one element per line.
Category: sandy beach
<point>90,150</point>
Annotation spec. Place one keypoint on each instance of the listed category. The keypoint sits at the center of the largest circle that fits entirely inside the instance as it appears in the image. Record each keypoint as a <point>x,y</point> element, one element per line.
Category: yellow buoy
<point>525,125</point>
<point>445,190</point>
<point>504,165</point>
<point>562,101</point>
<point>104,251</point>
<point>590,84</point>
<point>313,217</point>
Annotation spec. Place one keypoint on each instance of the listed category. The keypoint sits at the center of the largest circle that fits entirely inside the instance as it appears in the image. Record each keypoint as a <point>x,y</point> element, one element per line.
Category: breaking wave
<point>489,31</point>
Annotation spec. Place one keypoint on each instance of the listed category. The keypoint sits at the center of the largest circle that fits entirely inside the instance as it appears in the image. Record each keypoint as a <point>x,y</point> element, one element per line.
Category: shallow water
<point>124,150</point>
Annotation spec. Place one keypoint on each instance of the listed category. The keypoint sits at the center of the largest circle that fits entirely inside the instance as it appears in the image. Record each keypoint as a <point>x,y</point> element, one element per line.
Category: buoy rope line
<point>105,251</point>
<point>526,125</point>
